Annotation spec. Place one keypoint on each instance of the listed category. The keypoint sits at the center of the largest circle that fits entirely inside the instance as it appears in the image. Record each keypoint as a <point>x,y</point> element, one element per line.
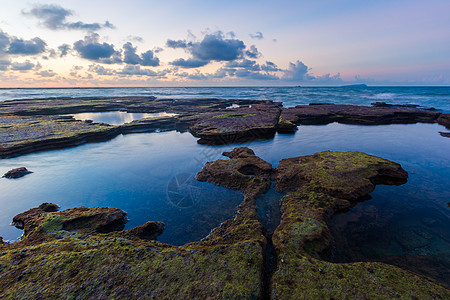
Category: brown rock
<point>17,173</point>
<point>444,119</point>
<point>149,231</point>
<point>244,171</point>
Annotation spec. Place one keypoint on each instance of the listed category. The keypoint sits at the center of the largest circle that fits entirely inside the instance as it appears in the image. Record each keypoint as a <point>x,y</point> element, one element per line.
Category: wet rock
<point>352,114</point>
<point>444,119</point>
<point>149,231</point>
<point>27,219</point>
<point>244,171</point>
<point>17,173</point>
<point>347,175</point>
<point>238,125</point>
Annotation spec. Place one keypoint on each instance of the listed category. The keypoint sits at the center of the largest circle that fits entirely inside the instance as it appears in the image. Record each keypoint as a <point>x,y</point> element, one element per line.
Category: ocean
<point>437,97</point>
<point>151,175</point>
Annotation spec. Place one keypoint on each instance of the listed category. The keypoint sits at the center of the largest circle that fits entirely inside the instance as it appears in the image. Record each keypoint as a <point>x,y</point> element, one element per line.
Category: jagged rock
<point>17,173</point>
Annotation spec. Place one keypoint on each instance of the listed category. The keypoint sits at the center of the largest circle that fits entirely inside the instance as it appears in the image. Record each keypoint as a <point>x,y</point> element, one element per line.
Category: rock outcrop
<point>17,173</point>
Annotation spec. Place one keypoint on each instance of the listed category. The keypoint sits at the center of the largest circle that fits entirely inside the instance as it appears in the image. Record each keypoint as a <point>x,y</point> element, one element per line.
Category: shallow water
<point>117,117</point>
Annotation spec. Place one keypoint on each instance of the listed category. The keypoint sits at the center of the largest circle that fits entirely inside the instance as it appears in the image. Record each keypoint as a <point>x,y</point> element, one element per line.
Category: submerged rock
<point>17,173</point>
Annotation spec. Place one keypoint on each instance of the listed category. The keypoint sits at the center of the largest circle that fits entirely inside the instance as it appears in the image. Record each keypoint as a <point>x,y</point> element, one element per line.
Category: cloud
<point>136,70</point>
<point>134,38</point>
<point>47,73</point>
<point>24,66</point>
<point>148,59</point>
<point>176,44</point>
<point>245,63</point>
<point>215,47</point>
<point>270,67</point>
<point>90,48</point>
<point>243,73</point>
<point>145,59</point>
<point>258,35</point>
<point>4,41</point>
<point>4,65</point>
<point>53,17</point>
<point>298,72</point>
<point>99,70</point>
<point>63,50</point>
<point>189,63</point>
<point>19,46</point>
<point>253,52</point>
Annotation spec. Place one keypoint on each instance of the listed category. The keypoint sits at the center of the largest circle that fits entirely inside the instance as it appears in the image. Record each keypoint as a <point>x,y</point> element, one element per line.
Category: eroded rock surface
<point>244,171</point>
<point>238,125</point>
<point>17,173</point>
<point>352,114</point>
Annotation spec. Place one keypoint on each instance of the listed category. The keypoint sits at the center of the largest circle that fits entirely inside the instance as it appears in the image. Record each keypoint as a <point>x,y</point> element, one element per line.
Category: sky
<point>82,43</point>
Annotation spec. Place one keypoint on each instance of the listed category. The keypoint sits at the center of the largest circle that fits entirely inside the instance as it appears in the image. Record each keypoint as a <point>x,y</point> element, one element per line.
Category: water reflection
<point>117,117</point>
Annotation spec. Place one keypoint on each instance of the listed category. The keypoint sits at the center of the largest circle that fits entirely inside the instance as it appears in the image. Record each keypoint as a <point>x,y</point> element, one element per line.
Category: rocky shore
<point>83,252</point>
<point>42,124</point>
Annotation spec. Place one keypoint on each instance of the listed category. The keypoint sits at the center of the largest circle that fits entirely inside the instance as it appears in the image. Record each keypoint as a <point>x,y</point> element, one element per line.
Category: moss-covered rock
<point>244,171</point>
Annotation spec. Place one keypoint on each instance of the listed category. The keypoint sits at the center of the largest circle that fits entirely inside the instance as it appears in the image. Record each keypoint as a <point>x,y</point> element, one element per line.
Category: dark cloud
<point>189,63</point>
<point>176,44</point>
<point>129,55</point>
<point>53,16</point>
<point>47,73</point>
<point>24,66</point>
<point>145,59</point>
<point>158,49</point>
<point>148,59</point>
<point>270,67</point>
<point>26,47</point>
<point>63,50</point>
<point>245,64</point>
<point>90,48</point>
<point>4,41</point>
<point>253,52</point>
<point>214,47</point>
<point>258,35</point>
